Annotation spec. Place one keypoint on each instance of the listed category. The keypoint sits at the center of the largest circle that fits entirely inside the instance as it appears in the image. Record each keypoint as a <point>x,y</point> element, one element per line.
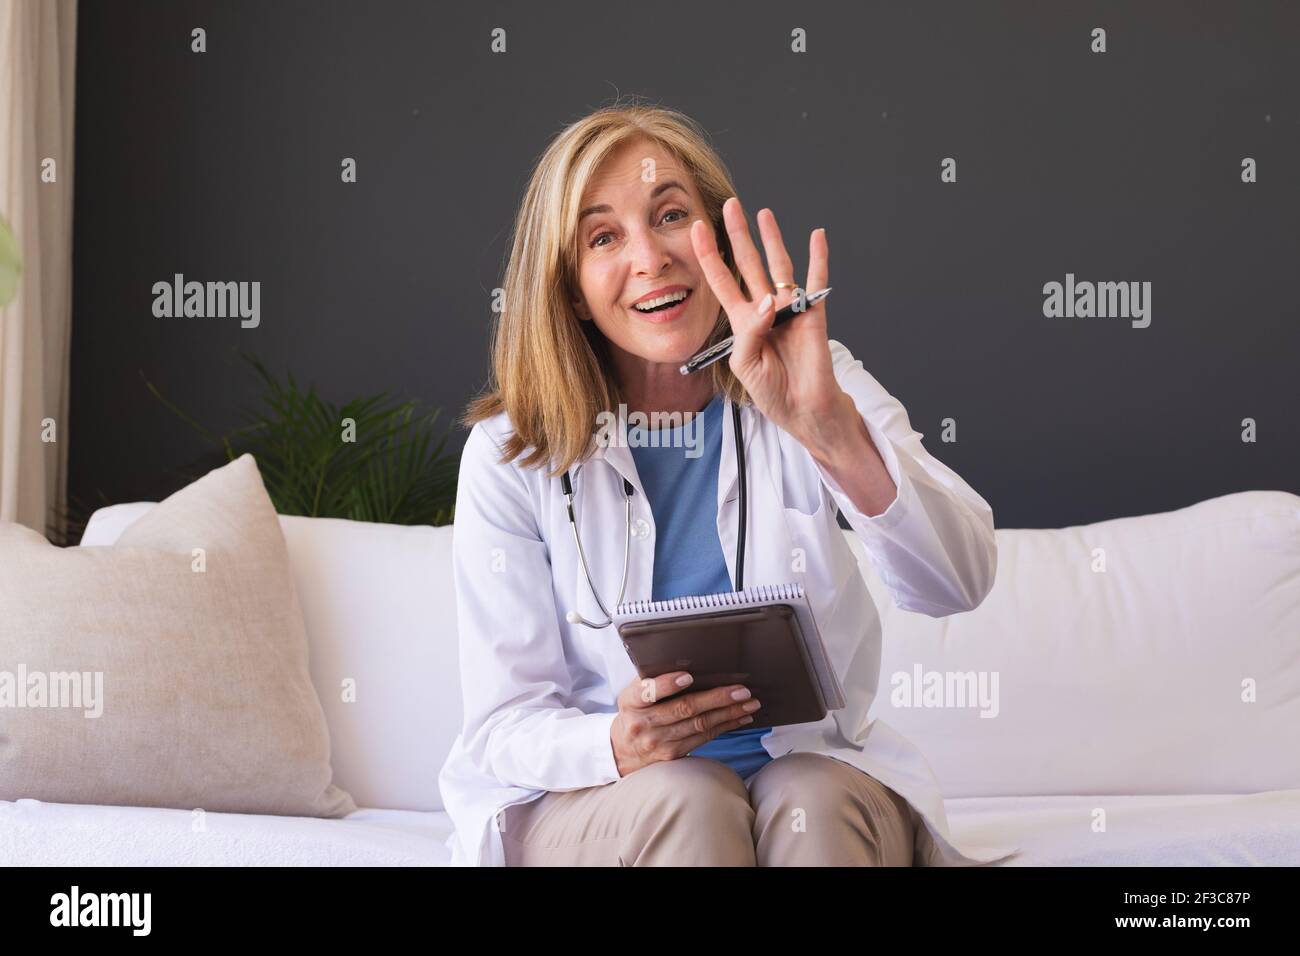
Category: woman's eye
<point>595,240</point>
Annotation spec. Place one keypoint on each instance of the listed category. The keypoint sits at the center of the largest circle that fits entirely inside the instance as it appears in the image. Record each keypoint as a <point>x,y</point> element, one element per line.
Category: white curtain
<point>38,40</point>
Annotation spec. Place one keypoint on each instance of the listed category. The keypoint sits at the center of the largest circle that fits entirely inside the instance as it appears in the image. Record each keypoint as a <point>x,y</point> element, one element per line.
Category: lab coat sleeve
<point>934,547</point>
<point>516,684</point>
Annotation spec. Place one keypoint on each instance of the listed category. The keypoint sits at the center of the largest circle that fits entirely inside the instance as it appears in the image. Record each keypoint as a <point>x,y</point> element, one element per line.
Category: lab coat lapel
<point>759,553</point>
<point>619,456</point>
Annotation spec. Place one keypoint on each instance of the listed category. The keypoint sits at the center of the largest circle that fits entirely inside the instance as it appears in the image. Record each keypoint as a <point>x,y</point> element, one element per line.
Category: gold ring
<point>786,285</point>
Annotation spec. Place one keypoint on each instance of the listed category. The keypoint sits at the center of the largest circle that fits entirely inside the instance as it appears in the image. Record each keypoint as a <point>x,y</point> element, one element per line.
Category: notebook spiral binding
<point>764,592</point>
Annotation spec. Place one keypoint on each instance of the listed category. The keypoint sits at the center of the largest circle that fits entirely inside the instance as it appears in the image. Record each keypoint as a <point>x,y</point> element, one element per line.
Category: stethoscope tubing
<point>628,491</point>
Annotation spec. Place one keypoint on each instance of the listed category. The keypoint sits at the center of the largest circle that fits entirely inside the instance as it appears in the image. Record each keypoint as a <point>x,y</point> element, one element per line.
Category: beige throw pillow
<point>169,670</point>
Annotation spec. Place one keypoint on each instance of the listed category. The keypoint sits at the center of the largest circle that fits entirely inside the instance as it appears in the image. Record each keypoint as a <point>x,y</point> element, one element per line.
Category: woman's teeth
<point>663,302</point>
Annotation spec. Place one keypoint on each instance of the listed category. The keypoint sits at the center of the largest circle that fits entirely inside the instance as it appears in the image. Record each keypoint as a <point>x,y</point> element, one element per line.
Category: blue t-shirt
<point>683,497</point>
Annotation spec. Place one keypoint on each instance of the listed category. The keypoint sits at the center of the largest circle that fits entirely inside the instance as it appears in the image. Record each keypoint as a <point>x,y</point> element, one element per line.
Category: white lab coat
<point>540,693</point>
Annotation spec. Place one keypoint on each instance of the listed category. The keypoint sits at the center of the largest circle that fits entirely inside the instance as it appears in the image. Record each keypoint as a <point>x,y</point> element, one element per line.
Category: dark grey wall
<point>1118,166</point>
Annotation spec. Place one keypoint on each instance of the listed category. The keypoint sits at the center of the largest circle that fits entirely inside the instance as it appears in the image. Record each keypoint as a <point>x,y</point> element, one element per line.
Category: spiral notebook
<point>764,637</point>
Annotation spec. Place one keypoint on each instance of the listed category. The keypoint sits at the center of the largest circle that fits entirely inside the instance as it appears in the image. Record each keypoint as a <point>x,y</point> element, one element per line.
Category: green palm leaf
<point>390,468</point>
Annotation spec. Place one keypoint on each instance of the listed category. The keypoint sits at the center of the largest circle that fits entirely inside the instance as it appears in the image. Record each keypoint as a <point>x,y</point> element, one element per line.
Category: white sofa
<point>1118,734</point>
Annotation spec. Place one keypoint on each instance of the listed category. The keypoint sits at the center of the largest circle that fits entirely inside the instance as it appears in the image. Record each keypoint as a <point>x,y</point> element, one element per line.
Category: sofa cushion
<point>33,833</point>
<point>1205,830</point>
<point>174,663</point>
<point>1256,829</point>
<point>1148,655</point>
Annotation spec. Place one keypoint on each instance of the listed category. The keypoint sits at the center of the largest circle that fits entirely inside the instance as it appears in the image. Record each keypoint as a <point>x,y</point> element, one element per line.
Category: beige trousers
<point>801,809</point>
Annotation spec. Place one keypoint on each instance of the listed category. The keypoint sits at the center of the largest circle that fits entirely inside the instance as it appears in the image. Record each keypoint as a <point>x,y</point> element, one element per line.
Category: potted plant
<point>370,459</point>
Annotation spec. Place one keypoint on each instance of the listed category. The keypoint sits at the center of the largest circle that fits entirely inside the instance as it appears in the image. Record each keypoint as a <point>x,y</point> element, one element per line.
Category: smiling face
<point>633,241</point>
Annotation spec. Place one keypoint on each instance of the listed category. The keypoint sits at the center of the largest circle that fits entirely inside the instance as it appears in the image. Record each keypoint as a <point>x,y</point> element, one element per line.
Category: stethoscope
<point>573,617</point>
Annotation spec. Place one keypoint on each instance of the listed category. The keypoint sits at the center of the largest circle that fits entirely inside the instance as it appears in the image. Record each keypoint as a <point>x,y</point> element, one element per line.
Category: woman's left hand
<point>786,370</point>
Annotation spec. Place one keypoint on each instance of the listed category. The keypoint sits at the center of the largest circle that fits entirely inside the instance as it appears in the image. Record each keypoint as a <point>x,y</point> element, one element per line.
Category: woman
<point>565,756</point>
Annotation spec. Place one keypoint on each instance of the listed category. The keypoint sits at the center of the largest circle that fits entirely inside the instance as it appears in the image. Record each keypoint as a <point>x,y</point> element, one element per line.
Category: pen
<point>723,348</point>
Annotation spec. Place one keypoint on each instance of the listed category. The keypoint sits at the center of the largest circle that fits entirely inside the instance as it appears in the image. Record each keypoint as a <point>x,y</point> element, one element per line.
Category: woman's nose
<point>648,251</point>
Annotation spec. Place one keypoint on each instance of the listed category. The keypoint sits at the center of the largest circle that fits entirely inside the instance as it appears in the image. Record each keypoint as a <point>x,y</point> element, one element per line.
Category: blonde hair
<point>551,372</point>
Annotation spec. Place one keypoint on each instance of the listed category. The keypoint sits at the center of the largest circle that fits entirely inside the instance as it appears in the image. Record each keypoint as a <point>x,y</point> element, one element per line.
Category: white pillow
<point>169,670</point>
